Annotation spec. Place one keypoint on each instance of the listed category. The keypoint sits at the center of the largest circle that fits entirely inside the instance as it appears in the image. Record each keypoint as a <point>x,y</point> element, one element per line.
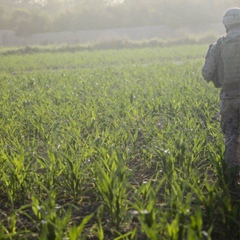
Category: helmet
<point>231,17</point>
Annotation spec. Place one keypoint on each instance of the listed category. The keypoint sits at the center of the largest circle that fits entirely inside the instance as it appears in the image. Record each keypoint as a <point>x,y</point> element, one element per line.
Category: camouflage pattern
<point>231,17</point>
<point>230,124</point>
<point>229,100</point>
<point>231,58</point>
<point>209,68</point>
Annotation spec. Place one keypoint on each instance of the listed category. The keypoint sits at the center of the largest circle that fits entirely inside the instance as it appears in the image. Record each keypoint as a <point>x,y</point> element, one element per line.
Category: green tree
<point>25,23</point>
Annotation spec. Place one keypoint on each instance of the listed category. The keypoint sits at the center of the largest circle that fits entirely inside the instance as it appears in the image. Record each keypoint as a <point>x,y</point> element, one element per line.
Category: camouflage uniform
<point>229,101</point>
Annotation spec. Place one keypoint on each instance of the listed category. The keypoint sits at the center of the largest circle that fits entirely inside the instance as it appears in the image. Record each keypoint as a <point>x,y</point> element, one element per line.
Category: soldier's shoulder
<point>220,40</point>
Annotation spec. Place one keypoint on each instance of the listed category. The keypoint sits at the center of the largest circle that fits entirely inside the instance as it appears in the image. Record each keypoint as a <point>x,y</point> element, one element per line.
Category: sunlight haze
<point>129,19</point>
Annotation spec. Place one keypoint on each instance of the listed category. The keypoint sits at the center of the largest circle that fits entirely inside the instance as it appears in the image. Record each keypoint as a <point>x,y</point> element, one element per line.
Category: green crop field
<point>111,144</point>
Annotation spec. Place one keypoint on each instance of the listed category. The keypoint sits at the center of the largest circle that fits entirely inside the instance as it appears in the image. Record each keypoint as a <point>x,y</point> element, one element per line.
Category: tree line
<point>27,17</point>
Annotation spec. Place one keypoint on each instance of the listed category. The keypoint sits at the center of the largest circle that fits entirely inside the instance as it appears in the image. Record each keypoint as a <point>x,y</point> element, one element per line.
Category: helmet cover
<point>231,17</point>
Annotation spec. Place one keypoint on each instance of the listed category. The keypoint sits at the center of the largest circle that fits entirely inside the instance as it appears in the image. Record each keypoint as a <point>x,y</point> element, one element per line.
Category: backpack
<point>230,55</point>
<point>227,59</point>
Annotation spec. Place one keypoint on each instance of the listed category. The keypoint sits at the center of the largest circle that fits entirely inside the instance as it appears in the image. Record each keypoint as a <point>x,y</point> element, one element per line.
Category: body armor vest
<point>230,55</point>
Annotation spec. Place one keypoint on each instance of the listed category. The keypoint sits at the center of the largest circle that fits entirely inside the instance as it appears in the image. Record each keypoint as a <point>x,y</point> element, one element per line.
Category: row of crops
<point>117,144</point>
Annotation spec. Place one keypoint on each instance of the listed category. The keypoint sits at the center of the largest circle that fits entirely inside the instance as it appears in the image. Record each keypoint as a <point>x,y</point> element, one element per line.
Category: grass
<point>111,144</point>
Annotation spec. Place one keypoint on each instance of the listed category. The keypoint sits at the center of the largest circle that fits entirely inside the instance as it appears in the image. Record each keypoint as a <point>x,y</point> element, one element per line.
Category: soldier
<point>222,67</point>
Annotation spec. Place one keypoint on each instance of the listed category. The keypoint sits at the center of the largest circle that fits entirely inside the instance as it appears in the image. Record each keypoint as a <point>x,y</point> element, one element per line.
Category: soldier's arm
<point>209,67</point>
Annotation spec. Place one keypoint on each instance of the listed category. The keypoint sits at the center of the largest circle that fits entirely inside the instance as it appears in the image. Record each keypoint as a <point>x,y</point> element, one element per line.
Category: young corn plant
<point>180,209</point>
<point>46,213</point>
<point>52,167</point>
<point>17,177</point>
<point>73,177</point>
<point>3,232</point>
<point>75,232</point>
<point>54,220</point>
<point>9,231</point>
<point>52,109</point>
<point>146,207</point>
<point>195,228</point>
<point>111,182</point>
